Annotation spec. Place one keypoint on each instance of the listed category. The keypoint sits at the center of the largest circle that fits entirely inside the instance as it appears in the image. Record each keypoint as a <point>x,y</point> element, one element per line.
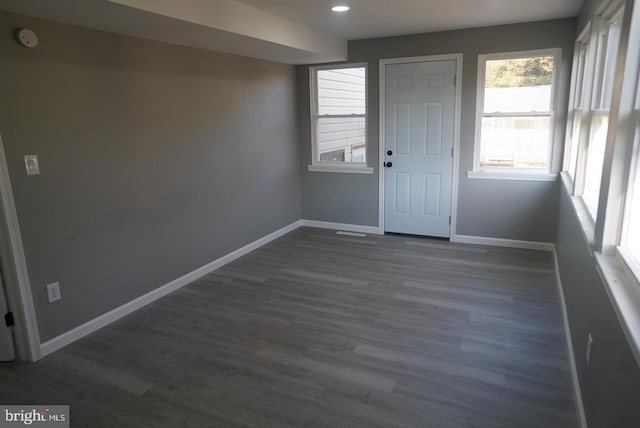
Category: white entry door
<point>418,153</point>
<point>7,351</point>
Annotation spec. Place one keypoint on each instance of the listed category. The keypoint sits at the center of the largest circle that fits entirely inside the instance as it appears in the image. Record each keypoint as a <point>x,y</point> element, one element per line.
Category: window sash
<point>316,117</point>
<point>633,195</point>
<point>481,114</point>
<point>607,38</point>
<point>580,87</point>
<point>534,113</point>
<point>339,116</point>
<point>519,157</point>
<point>581,68</point>
<point>594,161</point>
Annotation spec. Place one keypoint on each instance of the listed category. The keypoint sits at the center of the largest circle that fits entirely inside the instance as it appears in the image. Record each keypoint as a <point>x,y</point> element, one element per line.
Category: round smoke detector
<point>27,38</point>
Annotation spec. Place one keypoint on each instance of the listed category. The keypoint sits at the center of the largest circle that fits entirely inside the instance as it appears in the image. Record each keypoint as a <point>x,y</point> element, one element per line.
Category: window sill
<point>341,169</point>
<point>512,175</point>
<point>587,225</point>
<point>624,292</point>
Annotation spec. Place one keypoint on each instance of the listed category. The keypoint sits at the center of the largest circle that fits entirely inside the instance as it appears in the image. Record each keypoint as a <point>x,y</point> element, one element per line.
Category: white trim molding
<point>572,359</point>
<point>327,166</point>
<point>18,286</point>
<point>342,226</point>
<point>95,324</point>
<point>511,175</point>
<point>458,58</point>
<point>554,155</point>
<point>624,294</point>
<point>587,225</point>
<point>340,168</point>
<point>499,242</point>
<point>103,320</point>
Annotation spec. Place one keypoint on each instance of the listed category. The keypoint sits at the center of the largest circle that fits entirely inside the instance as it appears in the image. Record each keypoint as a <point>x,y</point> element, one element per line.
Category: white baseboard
<point>79,332</point>
<point>498,242</point>
<point>374,230</point>
<point>572,359</point>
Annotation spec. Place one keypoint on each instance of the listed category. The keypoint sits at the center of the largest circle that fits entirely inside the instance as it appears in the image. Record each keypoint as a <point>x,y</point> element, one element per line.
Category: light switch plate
<point>31,165</point>
<point>53,292</point>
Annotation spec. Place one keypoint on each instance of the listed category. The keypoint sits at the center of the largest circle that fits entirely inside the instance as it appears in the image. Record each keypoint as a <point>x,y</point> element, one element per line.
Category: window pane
<point>342,91</point>
<point>575,142</point>
<point>358,154</point>
<point>608,43</point>
<point>595,162</point>
<point>580,70</point>
<point>600,75</point>
<point>344,135</point>
<point>333,156</point>
<point>633,227</point>
<point>631,240</point>
<point>518,85</point>
<point>516,142</point>
<point>612,53</point>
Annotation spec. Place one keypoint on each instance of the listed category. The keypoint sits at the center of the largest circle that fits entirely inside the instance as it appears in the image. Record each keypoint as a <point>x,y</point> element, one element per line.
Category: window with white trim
<point>339,116</point>
<point>630,237</point>
<point>575,119</point>
<point>516,103</point>
<point>608,41</point>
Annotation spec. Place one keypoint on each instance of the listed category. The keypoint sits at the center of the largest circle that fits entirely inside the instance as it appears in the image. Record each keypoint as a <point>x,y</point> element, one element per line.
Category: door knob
<point>387,164</point>
<point>389,152</point>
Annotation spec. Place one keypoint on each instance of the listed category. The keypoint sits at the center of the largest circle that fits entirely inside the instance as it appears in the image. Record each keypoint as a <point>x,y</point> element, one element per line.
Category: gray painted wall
<point>155,160</point>
<point>522,210</point>
<point>585,15</point>
<point>610,385</point>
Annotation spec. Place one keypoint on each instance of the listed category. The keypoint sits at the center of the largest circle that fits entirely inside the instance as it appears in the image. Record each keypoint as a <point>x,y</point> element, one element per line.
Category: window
<point>516,94</point>
<point>576,117</point>
<point>608,40</point>
<point>630,242</point>
<point>605,191</point>
<point>339,118</point>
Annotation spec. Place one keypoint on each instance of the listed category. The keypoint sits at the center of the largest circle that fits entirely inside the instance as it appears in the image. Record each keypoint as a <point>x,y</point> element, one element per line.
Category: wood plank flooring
<point>322,330</point>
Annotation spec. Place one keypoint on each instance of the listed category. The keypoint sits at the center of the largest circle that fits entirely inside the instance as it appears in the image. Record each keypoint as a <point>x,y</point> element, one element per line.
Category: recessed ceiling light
<point>340,8</point>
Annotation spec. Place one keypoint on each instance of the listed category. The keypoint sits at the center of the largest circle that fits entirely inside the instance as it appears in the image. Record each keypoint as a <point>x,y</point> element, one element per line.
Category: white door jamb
<point>17,284</point>
<point>456,133</point>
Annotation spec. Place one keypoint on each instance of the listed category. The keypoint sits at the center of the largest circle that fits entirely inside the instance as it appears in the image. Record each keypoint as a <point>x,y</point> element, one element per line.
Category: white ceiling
<point>288,31</point>
<point>381,18</point>
<point>217,25</point>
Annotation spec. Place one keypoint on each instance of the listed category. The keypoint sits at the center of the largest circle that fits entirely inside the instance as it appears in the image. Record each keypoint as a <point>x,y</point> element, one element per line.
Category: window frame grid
<point>339,166</point>
<point>518,173</point>
<point>593,107</point>
<point>621,279</point>
<point>633,171</point>
<point>580,86</point>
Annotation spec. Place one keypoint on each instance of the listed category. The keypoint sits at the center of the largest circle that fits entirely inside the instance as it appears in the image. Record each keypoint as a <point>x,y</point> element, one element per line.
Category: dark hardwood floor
<point>321,330</point>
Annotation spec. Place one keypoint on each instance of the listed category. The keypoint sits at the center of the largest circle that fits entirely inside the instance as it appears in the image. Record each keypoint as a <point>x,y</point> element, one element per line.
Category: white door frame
<point>456,132</point>
<point>17,286</point>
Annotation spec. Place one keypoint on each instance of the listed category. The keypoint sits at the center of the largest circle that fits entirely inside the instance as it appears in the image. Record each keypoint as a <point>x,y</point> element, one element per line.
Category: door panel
<point>403,193</point>
<point>403,129</point>
<point>419,131</point>
<point>432,186</point>
<point>433,130</point>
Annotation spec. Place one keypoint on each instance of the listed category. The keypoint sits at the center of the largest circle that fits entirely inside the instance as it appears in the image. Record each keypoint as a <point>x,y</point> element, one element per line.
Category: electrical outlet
<point>53,292</point>
<point>589,348</point>
<point>31,165</point>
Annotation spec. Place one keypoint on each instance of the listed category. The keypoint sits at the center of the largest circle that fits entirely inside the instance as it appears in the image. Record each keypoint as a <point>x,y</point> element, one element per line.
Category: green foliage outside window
<point>509,73</point>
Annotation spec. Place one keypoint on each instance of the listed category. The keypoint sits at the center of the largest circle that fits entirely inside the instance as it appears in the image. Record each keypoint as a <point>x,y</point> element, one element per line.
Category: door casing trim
<point>458,57</point>
<point>17,285</point>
